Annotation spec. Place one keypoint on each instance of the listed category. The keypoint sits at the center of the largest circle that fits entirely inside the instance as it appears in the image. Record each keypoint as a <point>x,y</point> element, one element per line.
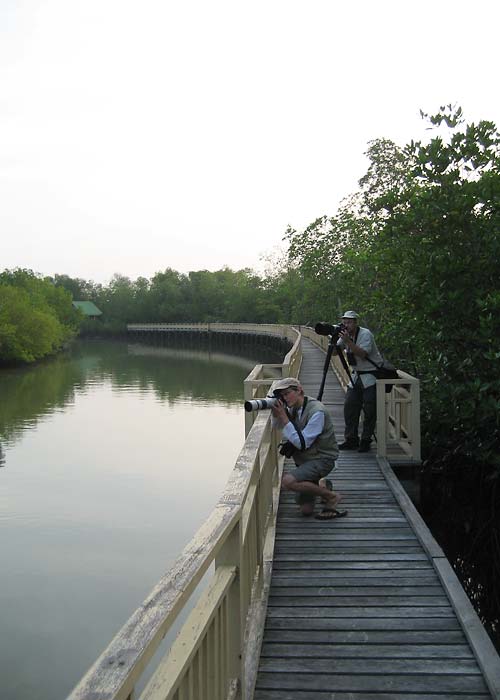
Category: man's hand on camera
<point>279,413</point>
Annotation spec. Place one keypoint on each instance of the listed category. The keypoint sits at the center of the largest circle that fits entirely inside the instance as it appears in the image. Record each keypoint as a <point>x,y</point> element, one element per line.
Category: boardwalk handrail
<point>236,540</point>
<point>216,327</point>
<point>398,412</point>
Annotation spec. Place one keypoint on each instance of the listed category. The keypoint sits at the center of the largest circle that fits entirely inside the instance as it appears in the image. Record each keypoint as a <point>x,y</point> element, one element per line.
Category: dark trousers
<point>356,399</point>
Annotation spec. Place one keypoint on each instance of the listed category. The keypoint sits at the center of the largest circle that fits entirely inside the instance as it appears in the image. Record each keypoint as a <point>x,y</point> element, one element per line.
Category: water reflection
<point>28,394</point>
<point>173,374</point>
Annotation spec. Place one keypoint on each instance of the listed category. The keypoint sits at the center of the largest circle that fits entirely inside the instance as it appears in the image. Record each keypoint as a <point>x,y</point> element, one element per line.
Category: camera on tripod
<point>329,329</point>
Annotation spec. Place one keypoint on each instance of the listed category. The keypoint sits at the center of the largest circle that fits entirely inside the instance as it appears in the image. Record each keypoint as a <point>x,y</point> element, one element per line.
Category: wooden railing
<point>398,411</point>
<point>398,418</point>
<point>258,328</point>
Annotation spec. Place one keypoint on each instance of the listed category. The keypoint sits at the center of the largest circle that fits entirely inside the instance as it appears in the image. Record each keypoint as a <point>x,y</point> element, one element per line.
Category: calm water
<point>111,457</point>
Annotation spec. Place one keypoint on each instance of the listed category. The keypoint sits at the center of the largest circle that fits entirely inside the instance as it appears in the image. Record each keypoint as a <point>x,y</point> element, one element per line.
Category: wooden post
<point>249,415</point>
<point>415,420</point>
<point>230,555</point>
<point>381,420</point>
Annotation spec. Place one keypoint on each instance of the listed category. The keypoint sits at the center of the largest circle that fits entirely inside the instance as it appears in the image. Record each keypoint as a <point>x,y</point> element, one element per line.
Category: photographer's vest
<point>325,445</point>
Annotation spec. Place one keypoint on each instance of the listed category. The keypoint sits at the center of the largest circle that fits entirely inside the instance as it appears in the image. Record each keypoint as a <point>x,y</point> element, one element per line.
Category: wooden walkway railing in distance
<point>277,329</point>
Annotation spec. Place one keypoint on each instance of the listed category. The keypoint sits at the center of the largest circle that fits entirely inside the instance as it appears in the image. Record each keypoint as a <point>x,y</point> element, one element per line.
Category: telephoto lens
<point>260,404</point>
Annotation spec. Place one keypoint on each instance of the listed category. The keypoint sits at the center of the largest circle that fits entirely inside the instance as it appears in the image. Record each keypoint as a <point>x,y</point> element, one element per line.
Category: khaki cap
<point>285,383</point>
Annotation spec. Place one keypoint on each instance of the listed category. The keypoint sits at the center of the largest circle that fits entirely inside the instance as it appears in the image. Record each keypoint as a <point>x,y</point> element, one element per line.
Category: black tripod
<point>332,346</point>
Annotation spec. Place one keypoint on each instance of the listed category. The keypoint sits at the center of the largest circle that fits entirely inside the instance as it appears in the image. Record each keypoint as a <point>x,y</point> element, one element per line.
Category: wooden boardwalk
<point>367,607</point>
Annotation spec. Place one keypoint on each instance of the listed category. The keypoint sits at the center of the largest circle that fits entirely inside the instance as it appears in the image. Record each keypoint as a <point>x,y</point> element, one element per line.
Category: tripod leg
<point>325,368</point>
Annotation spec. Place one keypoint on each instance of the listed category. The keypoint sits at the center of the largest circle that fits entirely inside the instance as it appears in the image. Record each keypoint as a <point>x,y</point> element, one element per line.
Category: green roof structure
<point>88,308</point>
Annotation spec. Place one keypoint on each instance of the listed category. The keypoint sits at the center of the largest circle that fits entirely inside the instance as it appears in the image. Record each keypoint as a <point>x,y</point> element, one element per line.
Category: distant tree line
<point>415,250</point>
<point>201,296</point>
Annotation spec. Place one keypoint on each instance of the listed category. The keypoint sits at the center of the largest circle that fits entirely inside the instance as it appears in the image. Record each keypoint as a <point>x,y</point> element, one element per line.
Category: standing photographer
<point>310,440</point>
<point>359,344</point>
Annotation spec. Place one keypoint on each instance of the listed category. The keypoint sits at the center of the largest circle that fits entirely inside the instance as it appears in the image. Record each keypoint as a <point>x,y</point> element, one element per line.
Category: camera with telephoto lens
<point>329,329</point>
<point>261,404</point>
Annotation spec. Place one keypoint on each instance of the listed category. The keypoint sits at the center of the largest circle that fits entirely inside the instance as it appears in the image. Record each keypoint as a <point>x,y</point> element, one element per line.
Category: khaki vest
<point>325,445</point>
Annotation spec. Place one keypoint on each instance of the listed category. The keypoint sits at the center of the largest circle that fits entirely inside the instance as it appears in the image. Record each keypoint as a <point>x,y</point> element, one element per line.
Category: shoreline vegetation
<point>37,318</point>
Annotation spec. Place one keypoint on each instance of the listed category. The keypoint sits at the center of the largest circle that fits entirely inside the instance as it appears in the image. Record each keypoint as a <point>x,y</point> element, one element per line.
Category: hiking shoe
<point>364,446</point>
<point>349,445</point>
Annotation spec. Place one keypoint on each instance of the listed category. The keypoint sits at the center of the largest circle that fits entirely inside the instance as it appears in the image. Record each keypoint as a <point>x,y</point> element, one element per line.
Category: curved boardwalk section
<point>367,607</point>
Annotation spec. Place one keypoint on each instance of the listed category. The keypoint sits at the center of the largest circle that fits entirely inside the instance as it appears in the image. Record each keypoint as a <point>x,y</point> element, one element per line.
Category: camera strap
<point>385,365</point>
<point>293,418</point>
<point>374,364</point>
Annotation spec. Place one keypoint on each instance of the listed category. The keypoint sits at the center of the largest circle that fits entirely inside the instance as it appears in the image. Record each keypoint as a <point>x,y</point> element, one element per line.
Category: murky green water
<point>111,458</point>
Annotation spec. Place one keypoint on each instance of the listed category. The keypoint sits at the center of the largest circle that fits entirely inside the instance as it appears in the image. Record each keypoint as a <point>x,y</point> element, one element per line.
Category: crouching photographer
<point>309,438</point>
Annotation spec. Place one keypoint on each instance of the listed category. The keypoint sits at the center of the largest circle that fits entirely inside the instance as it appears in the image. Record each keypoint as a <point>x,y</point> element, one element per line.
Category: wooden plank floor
<point>356,609</point>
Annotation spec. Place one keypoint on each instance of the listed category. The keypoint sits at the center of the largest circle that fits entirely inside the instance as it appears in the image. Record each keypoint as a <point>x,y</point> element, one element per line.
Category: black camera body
<point>287,449</point>
<point>329,329</point>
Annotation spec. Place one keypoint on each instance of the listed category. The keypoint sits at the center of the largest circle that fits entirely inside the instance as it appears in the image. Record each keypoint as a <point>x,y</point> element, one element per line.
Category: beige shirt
<point>366,342</point>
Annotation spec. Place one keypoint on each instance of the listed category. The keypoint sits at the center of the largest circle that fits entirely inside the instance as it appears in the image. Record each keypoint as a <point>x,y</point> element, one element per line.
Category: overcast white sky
<point>136,136</point>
